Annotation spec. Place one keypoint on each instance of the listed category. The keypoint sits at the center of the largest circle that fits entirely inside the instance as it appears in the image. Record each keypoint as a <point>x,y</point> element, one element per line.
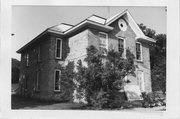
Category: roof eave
<point>145,38</point>
<point>89,23</point>
<point>31,42</point>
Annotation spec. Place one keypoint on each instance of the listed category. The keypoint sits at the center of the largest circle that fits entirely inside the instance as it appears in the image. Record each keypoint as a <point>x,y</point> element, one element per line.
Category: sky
<point>30,21</point>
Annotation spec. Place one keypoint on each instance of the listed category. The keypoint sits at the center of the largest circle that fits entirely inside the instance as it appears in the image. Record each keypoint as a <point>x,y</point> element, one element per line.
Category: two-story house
<point>41,58</point>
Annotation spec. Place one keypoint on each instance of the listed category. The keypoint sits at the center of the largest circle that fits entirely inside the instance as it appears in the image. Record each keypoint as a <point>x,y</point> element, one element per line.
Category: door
<point>140,80</point>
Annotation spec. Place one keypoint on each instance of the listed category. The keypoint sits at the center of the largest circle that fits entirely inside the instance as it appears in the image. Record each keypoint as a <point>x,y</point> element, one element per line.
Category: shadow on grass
<point>19,102</point>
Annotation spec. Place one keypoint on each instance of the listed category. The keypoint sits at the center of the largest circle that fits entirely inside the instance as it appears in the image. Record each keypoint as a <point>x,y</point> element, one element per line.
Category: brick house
<point>41,58</point>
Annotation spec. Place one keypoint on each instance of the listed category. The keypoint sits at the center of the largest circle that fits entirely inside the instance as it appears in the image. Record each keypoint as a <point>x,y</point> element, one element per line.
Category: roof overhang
<point>146,39</point>
<point>32,41</point>
<point>90,24</point>
<point>86,23</point>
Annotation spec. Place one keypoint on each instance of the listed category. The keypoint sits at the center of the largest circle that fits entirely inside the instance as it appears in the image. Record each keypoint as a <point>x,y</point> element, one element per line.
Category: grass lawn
<point>19,102</point>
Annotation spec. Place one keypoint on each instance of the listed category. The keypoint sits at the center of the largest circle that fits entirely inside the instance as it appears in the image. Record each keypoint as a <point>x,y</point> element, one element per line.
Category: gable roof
<point>93,21</point>
<point>132,23</point>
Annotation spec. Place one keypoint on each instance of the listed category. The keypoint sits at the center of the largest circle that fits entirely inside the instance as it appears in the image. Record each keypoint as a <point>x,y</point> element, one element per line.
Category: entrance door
<point>140,80</point>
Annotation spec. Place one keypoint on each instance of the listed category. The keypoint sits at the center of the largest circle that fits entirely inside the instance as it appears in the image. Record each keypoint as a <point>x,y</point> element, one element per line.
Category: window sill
<point>57,91</point>
<point>37,91</point>
<point>139,61</point>
<point>39,61</point>
<point>57,58</point>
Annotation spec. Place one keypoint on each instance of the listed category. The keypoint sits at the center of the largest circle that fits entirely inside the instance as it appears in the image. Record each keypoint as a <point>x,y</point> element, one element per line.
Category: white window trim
<point>124,45</point>
<point>141,52</point>
<point>60,56</point>
<point>106,39</point>
<point>55,80</point>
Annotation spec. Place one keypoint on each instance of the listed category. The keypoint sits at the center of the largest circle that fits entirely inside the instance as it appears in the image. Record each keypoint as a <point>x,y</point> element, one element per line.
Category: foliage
<point>157,58</point>
<point>67,84</point>
<point>15,70</point>
<point>147,31</point>
<point>103,78</point>
<point>153,99</point>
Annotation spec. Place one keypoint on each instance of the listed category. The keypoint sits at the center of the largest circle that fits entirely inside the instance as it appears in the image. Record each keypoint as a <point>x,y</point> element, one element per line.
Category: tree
<point>159,63</point>
<point>67,83</point>
<point>157,58</point>
<point>103,78</point>
<point>15,70</point>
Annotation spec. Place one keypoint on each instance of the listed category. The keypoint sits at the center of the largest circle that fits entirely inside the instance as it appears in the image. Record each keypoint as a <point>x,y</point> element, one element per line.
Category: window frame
<point>27,59</point>
<point>140,52</point>
<point>55,80</point>
<point>39,54</point>
<point>106,39</point>
<point>124,50</point>
<point>38,81</point>
<point>60,55</point>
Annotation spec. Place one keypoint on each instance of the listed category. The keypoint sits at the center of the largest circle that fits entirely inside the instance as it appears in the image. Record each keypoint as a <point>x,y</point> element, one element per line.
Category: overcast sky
<point>29,21</point>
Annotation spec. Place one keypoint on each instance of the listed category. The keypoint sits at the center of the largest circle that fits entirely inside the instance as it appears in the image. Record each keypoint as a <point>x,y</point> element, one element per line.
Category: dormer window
<point>58,48</point>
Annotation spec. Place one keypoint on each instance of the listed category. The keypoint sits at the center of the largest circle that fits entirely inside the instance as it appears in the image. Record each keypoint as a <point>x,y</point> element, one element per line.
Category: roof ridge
<point>116,15</point>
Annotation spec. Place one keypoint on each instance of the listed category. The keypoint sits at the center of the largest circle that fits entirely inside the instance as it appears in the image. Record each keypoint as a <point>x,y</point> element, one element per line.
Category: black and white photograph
<point>89,59</point>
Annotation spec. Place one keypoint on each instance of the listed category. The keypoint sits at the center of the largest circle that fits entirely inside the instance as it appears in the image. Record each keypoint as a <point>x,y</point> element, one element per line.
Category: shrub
<point>103,78</point>
<point>153,99</point>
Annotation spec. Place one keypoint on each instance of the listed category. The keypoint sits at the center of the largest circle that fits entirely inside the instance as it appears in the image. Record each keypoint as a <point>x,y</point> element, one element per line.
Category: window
<point>25,81</point>
<point>37,81</point>
<point>140,80</point>
<point>27,59</point>
<point>121,45</point>
<point>57,80</point>
<point>38,54</point>
<point>103,40</point>
<point>139,51</point>
<point>58,48</point>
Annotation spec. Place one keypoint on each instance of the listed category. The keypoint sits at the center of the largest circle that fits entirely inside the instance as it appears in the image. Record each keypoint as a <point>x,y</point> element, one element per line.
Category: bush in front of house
<point>153,100</point>
<point>103,77</point>
<point>67,83</point>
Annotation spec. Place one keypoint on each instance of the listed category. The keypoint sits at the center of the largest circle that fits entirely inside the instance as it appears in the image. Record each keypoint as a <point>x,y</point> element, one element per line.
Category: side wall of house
<point>78,44</point>
<point>30,72</point>
<point>73,49</point>
<point>130,43</point>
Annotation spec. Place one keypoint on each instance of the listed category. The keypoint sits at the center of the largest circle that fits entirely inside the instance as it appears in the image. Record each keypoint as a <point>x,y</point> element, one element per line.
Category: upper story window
<point>103,40</point>
<point>121,45</point>
<point>57,80</point>
<point>139,51</point>
<point>58,48</point>
<point>38,54</point>
<point>27,59</point>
